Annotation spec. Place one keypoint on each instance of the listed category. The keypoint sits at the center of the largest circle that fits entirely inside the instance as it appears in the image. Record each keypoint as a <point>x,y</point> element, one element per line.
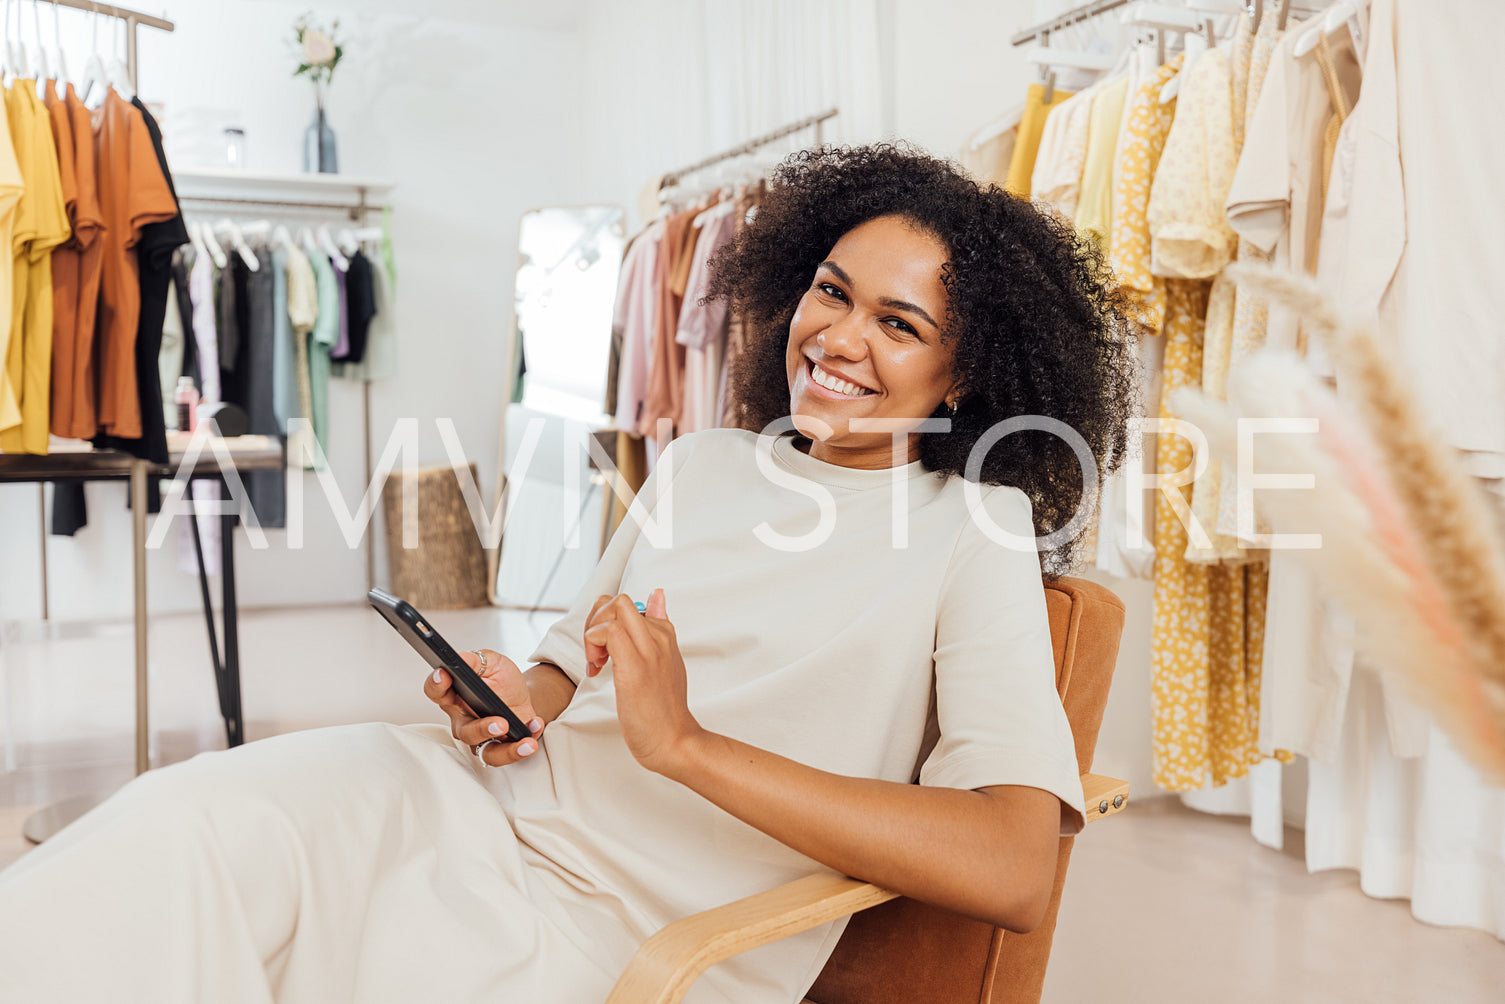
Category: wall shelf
<point>352,193</point>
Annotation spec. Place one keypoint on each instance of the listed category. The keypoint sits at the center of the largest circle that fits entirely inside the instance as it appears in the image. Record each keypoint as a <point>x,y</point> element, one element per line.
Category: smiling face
<point>865,342</point>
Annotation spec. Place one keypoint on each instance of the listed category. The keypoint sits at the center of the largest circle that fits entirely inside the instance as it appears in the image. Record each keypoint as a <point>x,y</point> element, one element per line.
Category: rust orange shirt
<point>132,193</point>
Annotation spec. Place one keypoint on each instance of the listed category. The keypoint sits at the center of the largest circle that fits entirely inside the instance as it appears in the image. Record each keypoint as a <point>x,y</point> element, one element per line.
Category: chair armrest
<point>667,963</point>
<point>1103,796</point>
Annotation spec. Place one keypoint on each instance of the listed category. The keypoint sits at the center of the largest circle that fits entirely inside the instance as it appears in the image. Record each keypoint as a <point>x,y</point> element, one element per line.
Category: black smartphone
<point>437,653</point>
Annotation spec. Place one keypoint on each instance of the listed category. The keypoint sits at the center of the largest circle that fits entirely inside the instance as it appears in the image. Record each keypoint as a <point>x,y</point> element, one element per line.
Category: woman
<point>831,615</point>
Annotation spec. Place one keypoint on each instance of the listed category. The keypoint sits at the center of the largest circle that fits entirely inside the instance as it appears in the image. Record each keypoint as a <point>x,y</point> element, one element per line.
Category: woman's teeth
<point>840,386</point>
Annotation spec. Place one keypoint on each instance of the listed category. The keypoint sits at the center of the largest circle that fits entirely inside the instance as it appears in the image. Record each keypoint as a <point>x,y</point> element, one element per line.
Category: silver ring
<point>481,748</point>
<point>481,656</point>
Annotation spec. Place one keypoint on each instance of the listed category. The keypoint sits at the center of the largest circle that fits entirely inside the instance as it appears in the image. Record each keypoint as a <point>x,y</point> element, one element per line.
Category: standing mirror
<point>566,287</point>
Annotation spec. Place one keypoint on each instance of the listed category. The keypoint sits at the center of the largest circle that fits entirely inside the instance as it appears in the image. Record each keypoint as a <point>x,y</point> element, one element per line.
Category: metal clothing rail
<point>1074,16</point>
<point>131,18</point>
<point>756,144</point>
<point>356,210</point>
<point>1087,12</point>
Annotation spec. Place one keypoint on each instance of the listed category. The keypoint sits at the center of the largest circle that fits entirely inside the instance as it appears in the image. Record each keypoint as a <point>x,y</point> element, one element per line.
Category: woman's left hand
<point>649,675</point>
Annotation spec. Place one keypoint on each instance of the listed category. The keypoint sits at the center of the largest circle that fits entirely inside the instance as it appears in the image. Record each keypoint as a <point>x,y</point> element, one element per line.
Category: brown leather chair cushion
<point>907,952</point>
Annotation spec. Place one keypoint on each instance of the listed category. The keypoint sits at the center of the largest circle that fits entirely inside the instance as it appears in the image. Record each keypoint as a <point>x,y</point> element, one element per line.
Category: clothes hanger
<point>216,253</point>
<point>306,241</point>
<point>14,45</point>
<point>238,242</point>
<point>196,241</point>
<point>43,72</point>
<point>282,237</point>
<point>59,62</point>
<point>327,245</point>
<point>1354,13</point>
<point>347,242</point>
<point>119,73</point>
<point>94,68</point>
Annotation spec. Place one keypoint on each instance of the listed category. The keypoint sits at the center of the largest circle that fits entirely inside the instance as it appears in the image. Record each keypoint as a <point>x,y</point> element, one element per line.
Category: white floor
<point>1163,904</point>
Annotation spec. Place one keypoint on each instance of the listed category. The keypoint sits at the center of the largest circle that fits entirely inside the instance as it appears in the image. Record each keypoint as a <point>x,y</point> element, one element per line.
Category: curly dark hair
<point>1038,326</point>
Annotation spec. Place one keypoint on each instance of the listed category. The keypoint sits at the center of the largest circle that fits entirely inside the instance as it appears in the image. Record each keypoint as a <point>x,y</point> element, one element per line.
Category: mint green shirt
<point>325,333</point>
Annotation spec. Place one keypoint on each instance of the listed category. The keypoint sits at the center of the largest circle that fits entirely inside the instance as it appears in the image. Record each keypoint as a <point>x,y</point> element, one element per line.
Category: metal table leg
<point>47,821</point>
<point>234,723</point>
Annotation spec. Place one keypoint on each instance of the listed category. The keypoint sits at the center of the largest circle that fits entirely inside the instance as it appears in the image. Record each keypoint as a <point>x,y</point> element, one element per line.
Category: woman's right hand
<point>506,681</point>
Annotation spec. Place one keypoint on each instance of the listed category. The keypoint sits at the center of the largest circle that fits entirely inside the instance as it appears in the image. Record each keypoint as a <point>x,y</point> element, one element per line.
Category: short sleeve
<point>1000,717</point>
<point>563,644</point>
<point>151,200</point>
<point>1189,233</point>
<point>1259,199</point>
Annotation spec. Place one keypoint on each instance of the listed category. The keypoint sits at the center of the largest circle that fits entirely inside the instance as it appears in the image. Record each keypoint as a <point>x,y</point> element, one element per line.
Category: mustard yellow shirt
<point>42,224</point>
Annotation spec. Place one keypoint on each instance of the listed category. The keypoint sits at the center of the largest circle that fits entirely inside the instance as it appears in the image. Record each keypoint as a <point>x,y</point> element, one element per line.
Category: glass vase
<point>320,155</point>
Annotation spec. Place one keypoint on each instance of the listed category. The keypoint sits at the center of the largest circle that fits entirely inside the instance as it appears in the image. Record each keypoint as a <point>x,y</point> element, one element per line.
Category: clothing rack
<point>755,144</point>
<point>1087,12</point>
<point>132,18</point>
<point>358,212</point>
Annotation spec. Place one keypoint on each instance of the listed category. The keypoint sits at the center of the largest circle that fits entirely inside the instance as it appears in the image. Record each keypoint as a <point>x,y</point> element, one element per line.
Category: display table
<point>78,462</point>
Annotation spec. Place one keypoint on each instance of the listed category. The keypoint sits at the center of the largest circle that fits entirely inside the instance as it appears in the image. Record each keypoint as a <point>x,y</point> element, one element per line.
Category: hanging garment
<point>360,305</point>
<point>12,187</point>
<point>1126,540</point>
<point>266,490</point>
<point>1217,342</point>
<point>1208,623</point>
<point>635,318</point>
<point>303,314</point>
<point>184,302</point>
<point>702,331</point>
<point>1094,210</point>
<point>1027,146</point>
<point>377,305</point>
<point>1238,330</point>
<point>41,225</point>
<point>1057,177</point>
<point>79,416</point>
<point>326,331</point>
<point>340,351</point>
<point>170,358</point>
<point>666,368</point>
<point>988,161</point>
<point>133,192</point>
<point>1190,236</point>
<point>65,261</point>
<point>284,353</point>
<point>153,252</point>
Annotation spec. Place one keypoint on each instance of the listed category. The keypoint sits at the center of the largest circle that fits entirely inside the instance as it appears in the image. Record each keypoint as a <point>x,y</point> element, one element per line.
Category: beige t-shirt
<point>806,632</point>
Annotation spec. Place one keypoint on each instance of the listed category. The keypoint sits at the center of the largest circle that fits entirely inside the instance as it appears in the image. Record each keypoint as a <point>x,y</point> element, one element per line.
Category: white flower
<point>318,48</point>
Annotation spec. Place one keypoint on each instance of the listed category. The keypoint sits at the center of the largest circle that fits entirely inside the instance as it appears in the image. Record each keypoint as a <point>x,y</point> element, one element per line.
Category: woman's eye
<point>830,290</point>
<point>899,325</point>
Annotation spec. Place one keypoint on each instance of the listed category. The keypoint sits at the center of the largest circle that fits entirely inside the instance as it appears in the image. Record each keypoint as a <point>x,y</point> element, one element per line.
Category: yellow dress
<point>1027,143</point>
<point>1094,208</point>
<point>1207,635</point>
<point>1145,129</point>
<point>43,226</point>
<point>1216,349</point>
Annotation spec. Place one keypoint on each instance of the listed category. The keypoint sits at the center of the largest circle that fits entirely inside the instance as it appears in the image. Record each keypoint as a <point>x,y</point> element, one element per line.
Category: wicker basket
<point>447,570</point>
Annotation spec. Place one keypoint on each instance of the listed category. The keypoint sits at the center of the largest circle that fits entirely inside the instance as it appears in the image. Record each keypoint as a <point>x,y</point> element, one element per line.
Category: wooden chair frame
<point>669,962</point>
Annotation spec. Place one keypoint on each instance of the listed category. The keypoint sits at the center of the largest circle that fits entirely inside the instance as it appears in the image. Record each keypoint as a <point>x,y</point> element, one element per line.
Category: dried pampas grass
<point>1409,545</point>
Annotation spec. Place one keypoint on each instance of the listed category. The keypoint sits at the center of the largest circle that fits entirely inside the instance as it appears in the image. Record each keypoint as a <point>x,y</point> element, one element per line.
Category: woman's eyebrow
<point>887,301</point>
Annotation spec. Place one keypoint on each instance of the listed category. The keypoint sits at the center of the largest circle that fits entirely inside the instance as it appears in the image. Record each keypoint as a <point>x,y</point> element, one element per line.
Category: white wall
<point>477,121</point>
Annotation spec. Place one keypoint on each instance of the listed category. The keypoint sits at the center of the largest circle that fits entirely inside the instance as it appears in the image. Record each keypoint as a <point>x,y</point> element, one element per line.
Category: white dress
<point>378,863</point>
